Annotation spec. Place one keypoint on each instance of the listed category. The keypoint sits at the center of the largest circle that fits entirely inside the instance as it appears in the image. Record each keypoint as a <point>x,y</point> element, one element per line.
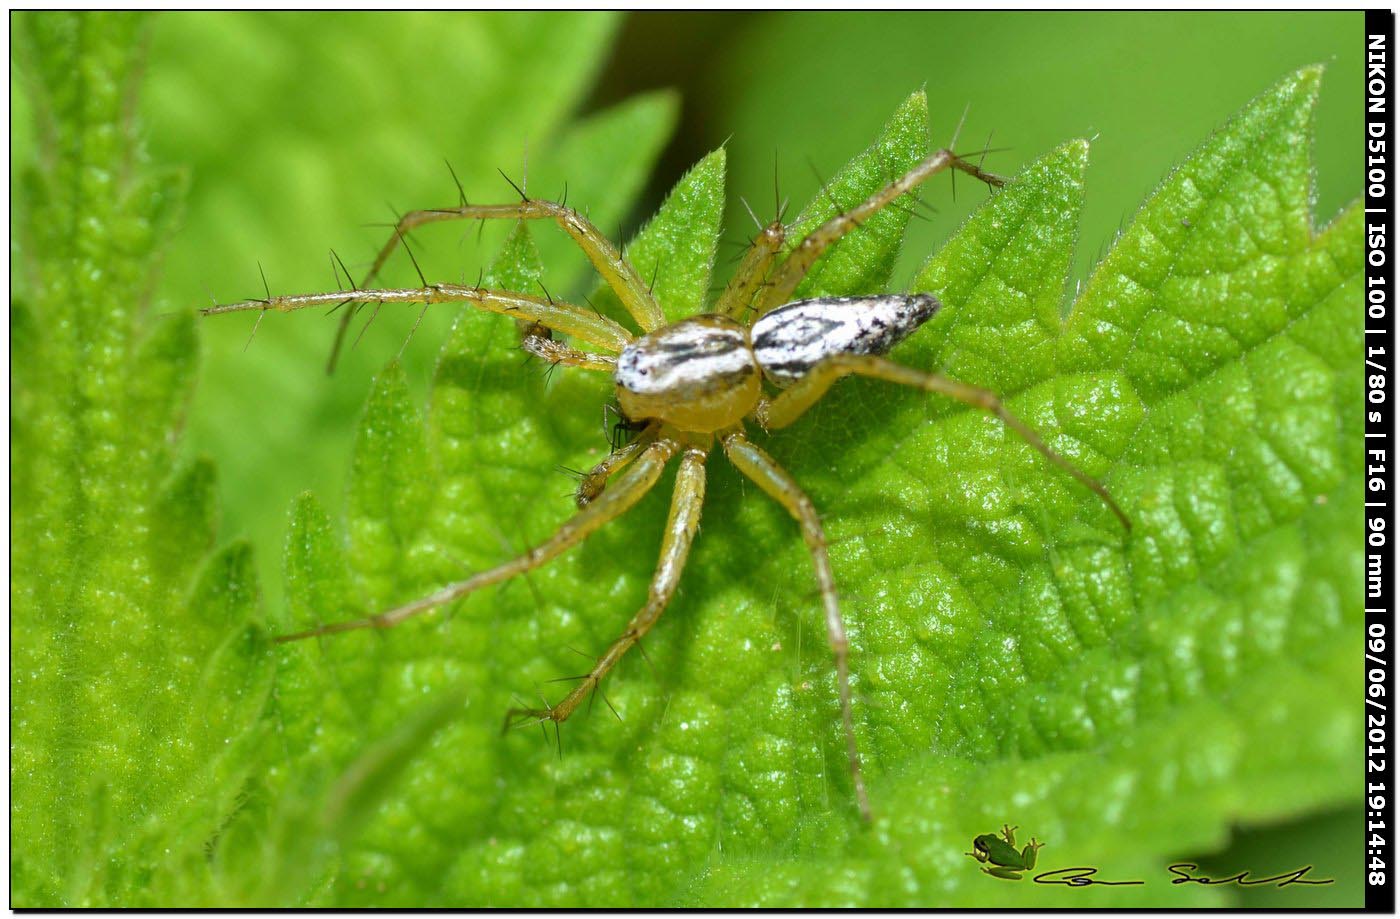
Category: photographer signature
<point>1183,874</point>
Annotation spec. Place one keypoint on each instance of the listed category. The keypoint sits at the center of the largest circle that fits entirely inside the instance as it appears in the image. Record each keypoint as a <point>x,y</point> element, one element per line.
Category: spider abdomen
<point>792,339</point>
<point>698,374</point>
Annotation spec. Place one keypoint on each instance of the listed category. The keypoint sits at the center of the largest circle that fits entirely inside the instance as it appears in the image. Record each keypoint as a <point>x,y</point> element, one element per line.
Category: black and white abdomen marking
<point>792,339</point>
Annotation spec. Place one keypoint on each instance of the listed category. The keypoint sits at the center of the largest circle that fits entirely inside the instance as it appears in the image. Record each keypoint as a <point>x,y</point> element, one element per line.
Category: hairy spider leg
<point>553,314</point>
<point>615,270</point>
<point>738,295</point>
<point>681,526</point>
<point>631,486</point>
<point>596,479</point>
<point>775,480</point>
<point>788,406</point>
<point>791,272</point>
<point>556,352</point>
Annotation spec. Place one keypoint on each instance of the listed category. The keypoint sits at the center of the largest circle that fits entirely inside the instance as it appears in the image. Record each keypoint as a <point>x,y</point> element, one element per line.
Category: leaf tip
<point>390,381</point>
<point>714,163</point>
<point>911,114</point>
<point>307,511</point>
<point>1305,82</point>
<point>916,103</point>
<point>227,590</point>
<point>1070,159</point>
<point>713,170</point>
<point>1310,75</point>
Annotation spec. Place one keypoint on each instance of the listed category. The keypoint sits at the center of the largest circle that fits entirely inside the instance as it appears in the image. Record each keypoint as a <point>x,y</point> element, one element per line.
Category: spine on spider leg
<point>738,295</point>
<point>790,274</point>
<point>631,487</point>
<point>287,303</point>
<point>563,317</point>
<point>556,353</point>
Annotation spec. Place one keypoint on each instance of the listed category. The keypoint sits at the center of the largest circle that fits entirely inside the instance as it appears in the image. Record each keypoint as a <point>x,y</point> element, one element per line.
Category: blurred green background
<point>297,130</point>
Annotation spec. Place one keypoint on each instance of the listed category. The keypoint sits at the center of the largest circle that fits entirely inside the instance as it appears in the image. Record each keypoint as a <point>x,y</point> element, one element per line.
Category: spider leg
<point>562,317</point>
<point>614,269</point>
<point>681,526</point>
<point>556,352</point>
<point>596,479</point>
<point>805,254</point>
<point>630,488</point>
<point>789,405</point>
<point>773,479</point>
<point>737,298</point>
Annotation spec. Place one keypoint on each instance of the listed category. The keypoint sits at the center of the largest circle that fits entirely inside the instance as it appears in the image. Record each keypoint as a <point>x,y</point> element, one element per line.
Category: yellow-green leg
<point>629,489</point>
<point>773,479</point>
<point>739,294</point>
<point>556,352</point>
<point>552,314</point>
<point>614,269</point>
<point>596,479</point>
<point>681,526</point>
<point>790,274</point>
<point>789,405</point>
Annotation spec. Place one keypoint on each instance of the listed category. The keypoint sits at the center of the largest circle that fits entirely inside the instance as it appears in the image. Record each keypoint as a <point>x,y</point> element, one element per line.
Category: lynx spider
<point>688,384</point>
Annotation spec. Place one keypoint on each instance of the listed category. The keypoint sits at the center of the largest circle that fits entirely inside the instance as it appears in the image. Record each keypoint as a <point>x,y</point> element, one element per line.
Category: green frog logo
<point>999,856</point>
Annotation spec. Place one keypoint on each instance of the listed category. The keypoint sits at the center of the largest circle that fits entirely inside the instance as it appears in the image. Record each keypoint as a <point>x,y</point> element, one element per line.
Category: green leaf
<point>157,767</point>
<point>1083,684</point>
<point>1007,278</point>
<point>864,259</point>
<point>138,673</point>
<point>407,505</point>
<point>1018,657</point>
<point>288,168</point>
<point>389,485</point>
<point>675,251</point>
<point>603,162</point>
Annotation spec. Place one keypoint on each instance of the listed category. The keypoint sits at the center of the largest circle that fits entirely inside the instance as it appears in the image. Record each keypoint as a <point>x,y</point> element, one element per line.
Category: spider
<point>685,386</point>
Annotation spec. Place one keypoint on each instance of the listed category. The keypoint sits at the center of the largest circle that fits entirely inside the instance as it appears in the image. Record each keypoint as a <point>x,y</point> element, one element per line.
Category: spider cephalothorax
<point>685,385</point>
<point>699,374</point>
